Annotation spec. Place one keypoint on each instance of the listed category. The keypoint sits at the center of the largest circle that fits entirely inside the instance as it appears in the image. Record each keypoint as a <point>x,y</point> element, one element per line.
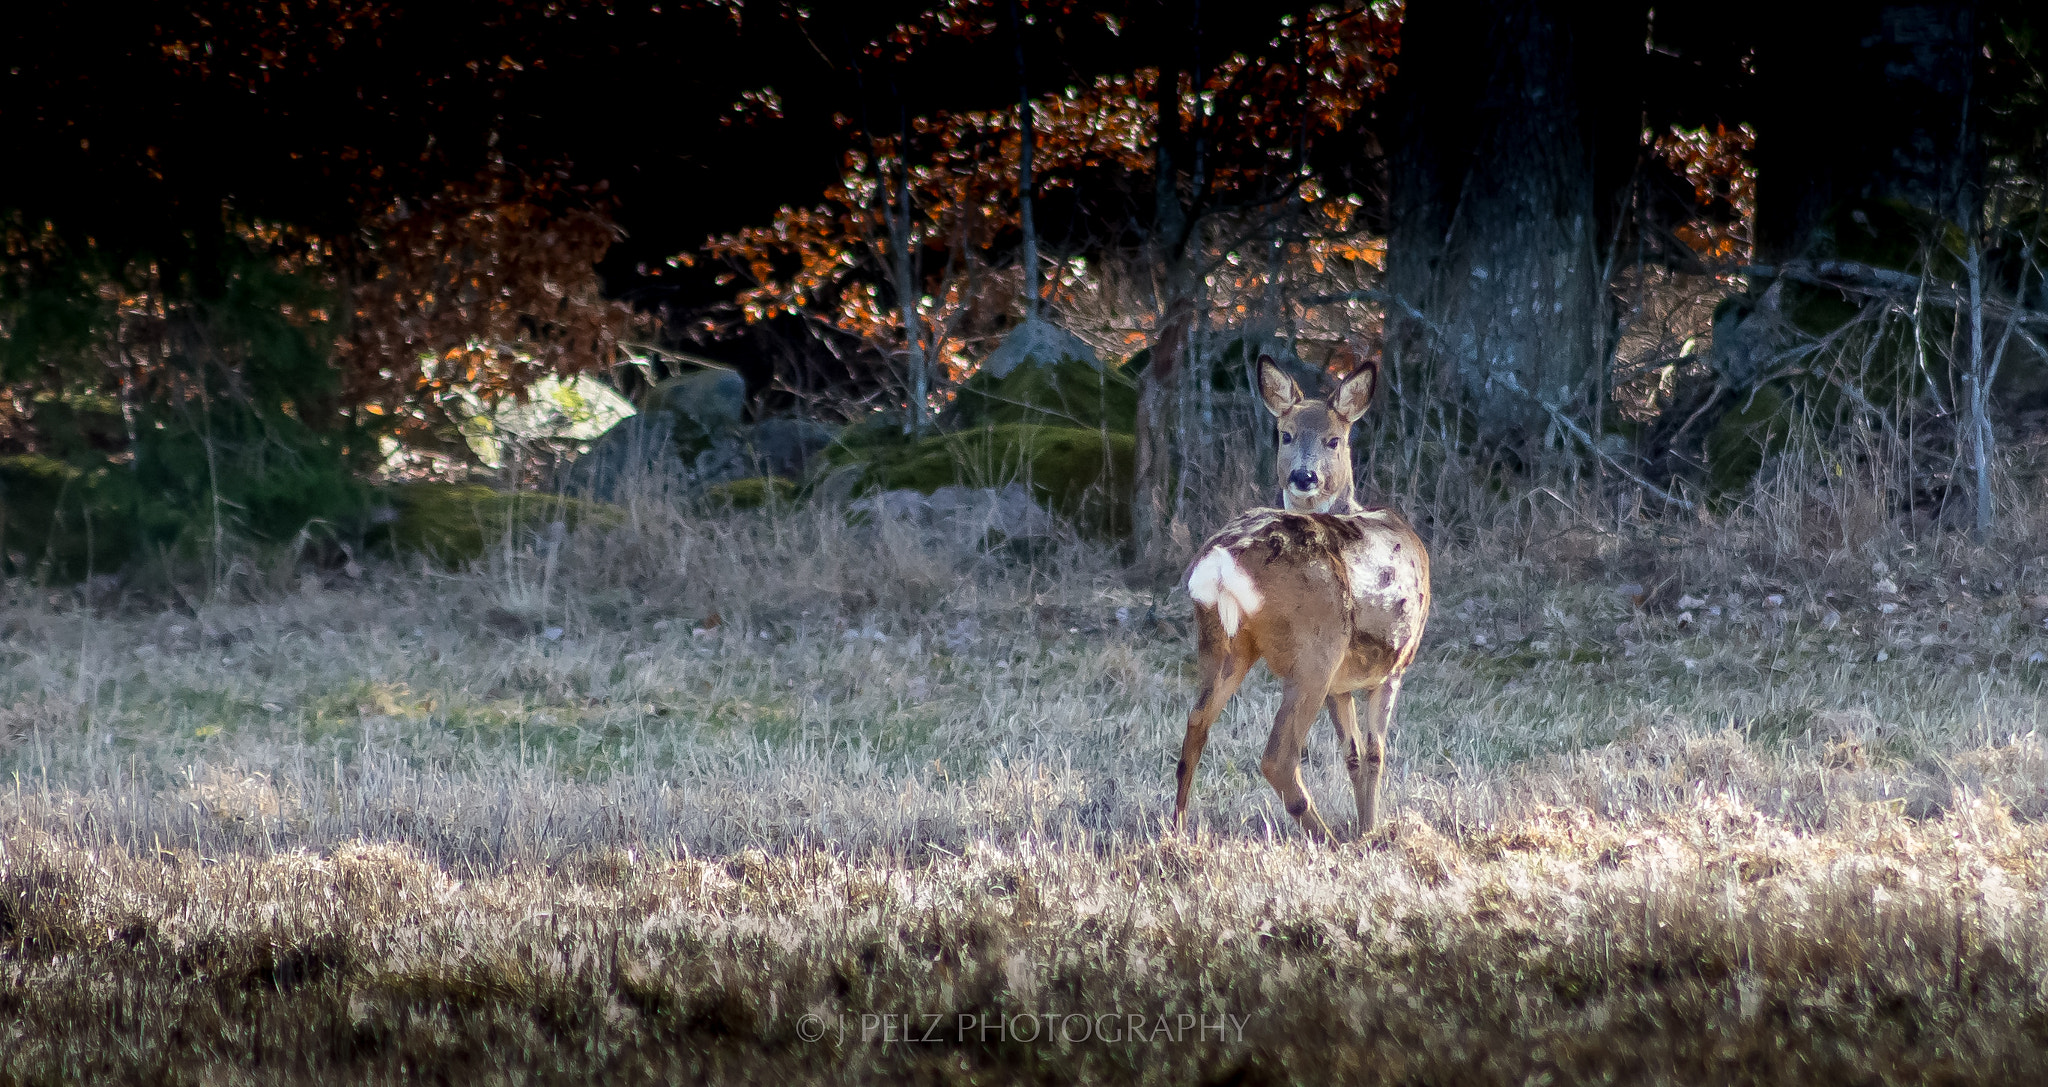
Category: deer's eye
<point>1286,438</point>
<point>1332,443</point>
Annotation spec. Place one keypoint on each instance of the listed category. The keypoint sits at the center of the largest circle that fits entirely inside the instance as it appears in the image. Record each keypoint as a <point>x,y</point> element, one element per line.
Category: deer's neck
<point>1344,501</point>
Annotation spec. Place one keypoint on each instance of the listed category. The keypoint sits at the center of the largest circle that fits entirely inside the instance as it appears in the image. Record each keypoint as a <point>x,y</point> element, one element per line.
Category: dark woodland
<point>218,161</point>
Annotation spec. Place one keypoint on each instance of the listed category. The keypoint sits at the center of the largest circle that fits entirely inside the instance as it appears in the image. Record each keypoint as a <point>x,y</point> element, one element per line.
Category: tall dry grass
<point>1750,794</point>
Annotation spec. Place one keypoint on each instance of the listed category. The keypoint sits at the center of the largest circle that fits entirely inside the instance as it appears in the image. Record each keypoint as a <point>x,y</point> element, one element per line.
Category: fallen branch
<point>1593,447</point>
<point>1835,273</point>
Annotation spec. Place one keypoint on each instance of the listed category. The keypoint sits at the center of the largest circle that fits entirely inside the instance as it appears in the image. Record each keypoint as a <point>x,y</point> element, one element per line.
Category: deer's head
<point>1315,435</point>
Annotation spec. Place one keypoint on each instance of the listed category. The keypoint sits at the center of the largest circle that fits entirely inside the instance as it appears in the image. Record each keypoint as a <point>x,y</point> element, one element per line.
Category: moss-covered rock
<point>1072,471</point>
<point>1756,427</point>
<point>638,446</point>
<point>62,523</point>
<point>879,434</point>
<point>1038,342</point>
<point>457,523</point>
<point>1069,393</point>
<point>708,406</point>
<point>752,492</point>
<point>786,445</point>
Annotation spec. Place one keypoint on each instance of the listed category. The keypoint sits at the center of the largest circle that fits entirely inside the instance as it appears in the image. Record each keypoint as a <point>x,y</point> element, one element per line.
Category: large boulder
<point>786,446</point>
<point>554,411</point>
<point>1038,342</point>
<point>664,444</point>
<point>969,513</point>
<point>1043,374</point>
<point>459,523</point>
<point>1067,394</point>
<point>753,492</point>
<point>708,405</point>
<point>1748,334</point>
<point>773,447</point>
<point>693,426</point>
<point>640,446</point>
<point>1083,475</point>
<point>1754,428</point>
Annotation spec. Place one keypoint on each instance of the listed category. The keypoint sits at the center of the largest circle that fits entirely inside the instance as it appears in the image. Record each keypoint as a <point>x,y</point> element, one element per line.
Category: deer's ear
<point>1354,393</point>
<point>1277,389</point>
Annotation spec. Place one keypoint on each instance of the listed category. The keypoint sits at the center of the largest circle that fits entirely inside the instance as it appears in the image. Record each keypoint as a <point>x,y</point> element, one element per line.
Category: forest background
<point>266,260</point>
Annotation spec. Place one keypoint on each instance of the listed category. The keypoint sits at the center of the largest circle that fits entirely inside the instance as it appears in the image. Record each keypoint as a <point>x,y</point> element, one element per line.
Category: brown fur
<point>1344,599</point>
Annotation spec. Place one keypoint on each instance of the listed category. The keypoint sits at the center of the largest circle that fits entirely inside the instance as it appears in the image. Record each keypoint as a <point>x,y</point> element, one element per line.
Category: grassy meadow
<point>1754,796</point>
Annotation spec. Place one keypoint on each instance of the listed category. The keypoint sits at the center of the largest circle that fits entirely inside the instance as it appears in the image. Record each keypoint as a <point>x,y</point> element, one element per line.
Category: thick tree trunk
<point>1514,135</point>
<point>1866,106</point>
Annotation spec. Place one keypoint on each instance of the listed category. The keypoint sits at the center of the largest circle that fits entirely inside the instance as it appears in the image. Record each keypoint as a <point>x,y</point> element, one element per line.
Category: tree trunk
<point>1515,132</point>
<point>1026,139</point>
<point>903,270</point>
<point>1866,106</point>
<point>1153,490</point>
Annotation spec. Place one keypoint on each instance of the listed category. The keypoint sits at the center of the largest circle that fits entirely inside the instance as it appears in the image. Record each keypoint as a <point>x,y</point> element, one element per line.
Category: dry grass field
<point>769,796</point>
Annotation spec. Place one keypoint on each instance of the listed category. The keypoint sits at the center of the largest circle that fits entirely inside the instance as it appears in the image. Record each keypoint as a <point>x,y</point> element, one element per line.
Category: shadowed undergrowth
<point>1713,945</point>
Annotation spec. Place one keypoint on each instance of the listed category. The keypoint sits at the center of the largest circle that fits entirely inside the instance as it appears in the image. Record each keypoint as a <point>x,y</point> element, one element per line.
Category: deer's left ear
<point>1354,393</point>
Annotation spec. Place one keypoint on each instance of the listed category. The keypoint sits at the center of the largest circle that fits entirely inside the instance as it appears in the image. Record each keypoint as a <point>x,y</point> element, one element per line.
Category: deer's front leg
<point>1344,715</point>
<point>1379,717</point>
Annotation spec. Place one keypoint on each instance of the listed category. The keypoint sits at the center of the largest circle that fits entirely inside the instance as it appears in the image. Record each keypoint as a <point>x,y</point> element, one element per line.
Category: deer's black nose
<point>1302,479</point>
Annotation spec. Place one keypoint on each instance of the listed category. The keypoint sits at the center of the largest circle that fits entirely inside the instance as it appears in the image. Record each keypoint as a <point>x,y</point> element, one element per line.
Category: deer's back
<point>1388,570</point>
<point>1369,564</point>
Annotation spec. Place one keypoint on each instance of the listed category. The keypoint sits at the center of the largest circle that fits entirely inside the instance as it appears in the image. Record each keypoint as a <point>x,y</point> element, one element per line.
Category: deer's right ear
<point>1277,389</point>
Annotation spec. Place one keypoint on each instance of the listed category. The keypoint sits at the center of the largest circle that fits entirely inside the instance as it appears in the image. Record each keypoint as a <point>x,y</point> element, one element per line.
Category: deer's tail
<point>1216,579</point>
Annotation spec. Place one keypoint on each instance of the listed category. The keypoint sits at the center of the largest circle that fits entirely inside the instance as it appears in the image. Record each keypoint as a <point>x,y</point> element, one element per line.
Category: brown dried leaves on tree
<point>823,262</point>
<point>487,288</point>
<point>1718,163</point>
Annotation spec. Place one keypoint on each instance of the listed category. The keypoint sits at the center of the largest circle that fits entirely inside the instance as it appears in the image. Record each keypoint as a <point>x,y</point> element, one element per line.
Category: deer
<point>1331,594</point>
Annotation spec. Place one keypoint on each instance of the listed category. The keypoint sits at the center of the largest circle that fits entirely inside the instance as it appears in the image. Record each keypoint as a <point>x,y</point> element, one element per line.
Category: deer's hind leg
<point>1304,689</point>
<point>1222,666</point>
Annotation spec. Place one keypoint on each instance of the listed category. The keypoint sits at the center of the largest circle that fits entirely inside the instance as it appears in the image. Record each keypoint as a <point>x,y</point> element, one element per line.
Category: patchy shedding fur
<point>1332,595</point>
<point>1333,603</point>
<point>1282,534</point>
<point>1363,551</point>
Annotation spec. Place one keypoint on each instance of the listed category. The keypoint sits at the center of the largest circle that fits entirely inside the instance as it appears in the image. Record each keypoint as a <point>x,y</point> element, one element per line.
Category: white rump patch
<point>1221,583</point>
